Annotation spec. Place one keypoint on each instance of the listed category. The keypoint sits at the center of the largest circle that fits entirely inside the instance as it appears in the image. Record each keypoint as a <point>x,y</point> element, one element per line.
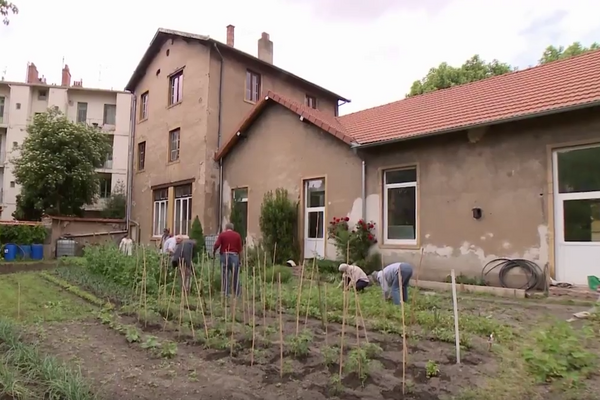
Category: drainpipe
<point>364,190</point>
<point>130,155</point>
<point>220,117</point>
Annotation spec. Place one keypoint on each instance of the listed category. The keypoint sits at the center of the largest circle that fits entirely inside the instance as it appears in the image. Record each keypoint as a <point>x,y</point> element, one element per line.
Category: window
<point>183,209</point>
<point>15,145</point>
<point>174,145</point>
<point>239,211</point>
<point>82,112</point>
<point>144,106</point>
<point>42,94</point>
<point>176,88</point>
<point>400,206</point>
<point>108,163</point>
<point>110,114</point>
<point>105,185</point>
<point>12,184</point>
<point>141,155</point>
<point>18,106</point>
<point>160,211</point>
<point>252,86</point>
<point>2,100</point>
<point>311,101</point>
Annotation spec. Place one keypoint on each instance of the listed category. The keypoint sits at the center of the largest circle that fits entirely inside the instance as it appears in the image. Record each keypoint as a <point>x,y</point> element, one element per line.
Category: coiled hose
<point>534,273</point>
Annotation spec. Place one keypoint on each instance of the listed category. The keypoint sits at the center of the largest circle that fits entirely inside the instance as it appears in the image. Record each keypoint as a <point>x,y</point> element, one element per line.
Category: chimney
<point>265,48</point>
<point>32,73</point>
<point>230,35</point>
<point>66,76</point>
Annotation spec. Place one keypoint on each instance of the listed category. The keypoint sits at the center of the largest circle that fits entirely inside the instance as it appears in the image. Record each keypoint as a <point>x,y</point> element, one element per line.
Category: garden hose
<point>535,275</point>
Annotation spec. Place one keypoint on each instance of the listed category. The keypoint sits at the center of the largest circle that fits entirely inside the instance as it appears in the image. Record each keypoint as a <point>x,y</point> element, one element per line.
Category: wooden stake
<point>180,300</point>
<point>325,316</point>
<point>171,298</point>
<point>18,300</point>
<point>414,298</point>
<point>358,313</point>
<point>264,294</point>
<point>253,312</point>
<point>210,296</point>
<point>272,297</point>
<point>200,303</point>
<point>404,350</point>
<point>233,313</point>
<point>280,326</point>
<point>455,304</point>
<point>312,275</point>
<point>345,310</point>
<point>298,301</point>
<point>321,309</point>
<point>187,303</point>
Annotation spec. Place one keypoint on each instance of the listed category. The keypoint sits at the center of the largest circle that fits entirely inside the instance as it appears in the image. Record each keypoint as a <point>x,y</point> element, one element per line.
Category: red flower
<point>371,226</point>
<point>360,221</point>
<point>371,237</point>
<point>346,219</point>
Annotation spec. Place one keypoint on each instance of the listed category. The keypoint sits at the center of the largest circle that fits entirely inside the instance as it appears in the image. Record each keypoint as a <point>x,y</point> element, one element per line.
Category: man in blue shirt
<point>392,278</point>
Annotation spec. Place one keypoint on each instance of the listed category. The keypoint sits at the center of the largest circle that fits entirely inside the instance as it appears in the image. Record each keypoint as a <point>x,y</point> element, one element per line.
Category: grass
<point>28,298</point>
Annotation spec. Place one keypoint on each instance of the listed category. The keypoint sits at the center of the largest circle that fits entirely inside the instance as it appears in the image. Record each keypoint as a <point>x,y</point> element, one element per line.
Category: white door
<point>314,215</point>
<point>577,213</point>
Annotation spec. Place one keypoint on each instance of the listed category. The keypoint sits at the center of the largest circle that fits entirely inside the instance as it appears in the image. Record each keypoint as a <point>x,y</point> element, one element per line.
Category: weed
<point>432,369</point>
<point>150,342</point>
<point>132,334</point>
<point>299,346</point>
<point>331,354</point>
<point>359,363</point>
<point>168,350</point>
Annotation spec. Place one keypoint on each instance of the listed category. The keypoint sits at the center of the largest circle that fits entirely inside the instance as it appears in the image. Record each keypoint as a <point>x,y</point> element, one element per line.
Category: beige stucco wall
<point>504,172</point>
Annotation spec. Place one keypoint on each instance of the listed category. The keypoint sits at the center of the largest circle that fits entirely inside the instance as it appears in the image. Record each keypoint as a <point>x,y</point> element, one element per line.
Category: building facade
<point>21,101</point>
<point>190,92</point>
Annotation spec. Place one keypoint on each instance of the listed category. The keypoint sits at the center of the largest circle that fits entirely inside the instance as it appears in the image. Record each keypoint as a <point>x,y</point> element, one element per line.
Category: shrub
<point>22,234</point>
<point>278,219</point>
<point>116,204</point>
<point>352,245</point>
<point>271,275</point>
<point>236,217</point>
<point>197,234</point>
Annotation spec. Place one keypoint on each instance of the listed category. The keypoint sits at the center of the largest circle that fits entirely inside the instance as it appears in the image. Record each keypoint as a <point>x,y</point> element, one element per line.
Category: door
<point>577,213</point>
<point>314,216</point>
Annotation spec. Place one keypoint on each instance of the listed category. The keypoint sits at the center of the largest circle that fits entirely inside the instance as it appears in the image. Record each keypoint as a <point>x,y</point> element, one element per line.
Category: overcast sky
<point>367,50</point>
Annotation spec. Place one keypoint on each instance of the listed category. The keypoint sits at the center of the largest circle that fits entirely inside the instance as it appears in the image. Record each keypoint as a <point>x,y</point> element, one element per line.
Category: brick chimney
<point>32,73</point>
<point>265,48</point>
<point>66,76</point>
<point>230,35</point>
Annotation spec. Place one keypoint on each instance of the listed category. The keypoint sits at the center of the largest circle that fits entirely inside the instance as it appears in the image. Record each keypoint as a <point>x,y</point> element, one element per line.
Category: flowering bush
<point>351,244</point>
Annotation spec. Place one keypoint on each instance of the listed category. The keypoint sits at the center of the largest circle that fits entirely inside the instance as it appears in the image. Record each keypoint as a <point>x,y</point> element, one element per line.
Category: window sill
<point>173,162</point>
<point>250,102</point>
<point>173,105</point>
<point>142,120</point>
<point>139,171</point>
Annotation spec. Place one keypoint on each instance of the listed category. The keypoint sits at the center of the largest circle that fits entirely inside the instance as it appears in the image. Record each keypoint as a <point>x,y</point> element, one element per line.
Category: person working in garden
<point>392,278</point>
<point>182,257</point>
<point>353,275</point>
<point>229,244</point>
<point>168,247</point>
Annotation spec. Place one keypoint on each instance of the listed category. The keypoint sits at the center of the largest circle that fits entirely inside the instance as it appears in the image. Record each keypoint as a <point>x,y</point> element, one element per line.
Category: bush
<point>22,234</point>
<point>278,222</point>
<point>197,234</point>
<point>271,276</point>
<point>236,217</point>
<point>116,204</point>
<point>351,245</point>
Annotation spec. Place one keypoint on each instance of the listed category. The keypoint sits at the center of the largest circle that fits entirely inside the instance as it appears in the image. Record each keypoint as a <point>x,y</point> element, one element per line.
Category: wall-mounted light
<point>477,213</point>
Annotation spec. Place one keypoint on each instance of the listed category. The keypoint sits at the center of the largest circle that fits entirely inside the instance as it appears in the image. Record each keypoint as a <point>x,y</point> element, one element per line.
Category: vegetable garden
<point>298,337</point>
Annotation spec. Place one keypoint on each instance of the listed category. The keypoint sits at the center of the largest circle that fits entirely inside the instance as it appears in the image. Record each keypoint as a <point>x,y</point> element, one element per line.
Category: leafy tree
<point>278,219</point>
<point>197,233</point>
<point>553,53</point>
<point>116,204</point>
<point>474,69</point>
<point>236,217</point>
<point>7,8</point>
<point>57,166</point>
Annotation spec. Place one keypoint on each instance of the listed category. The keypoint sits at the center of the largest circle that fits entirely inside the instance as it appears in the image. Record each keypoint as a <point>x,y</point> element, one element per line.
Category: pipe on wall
<point>131,156</point>
<point>364,190</point>
<point>220,118</point>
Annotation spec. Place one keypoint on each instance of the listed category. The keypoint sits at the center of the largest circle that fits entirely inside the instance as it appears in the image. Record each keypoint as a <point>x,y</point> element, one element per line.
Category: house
<point>190,90</point>
<point>504,167</point>
<point>109,110</point>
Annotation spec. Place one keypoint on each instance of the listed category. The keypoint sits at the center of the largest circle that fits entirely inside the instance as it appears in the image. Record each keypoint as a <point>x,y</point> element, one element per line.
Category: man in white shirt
<point>353,275</point>
<point>126,246</point>
<point>169,245</point>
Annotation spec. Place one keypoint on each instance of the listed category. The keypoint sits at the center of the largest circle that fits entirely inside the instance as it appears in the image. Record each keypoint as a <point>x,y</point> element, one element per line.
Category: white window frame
<point>174,151</point>
<point>162,206</point>
<point>110,114</point>
<point>82,111</point>
<point>176,88</point>
<point>386,188</point>
<point>187,202</point>
<point>144,106</point>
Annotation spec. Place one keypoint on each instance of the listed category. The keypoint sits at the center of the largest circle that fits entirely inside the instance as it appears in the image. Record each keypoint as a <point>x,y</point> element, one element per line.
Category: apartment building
<point>191,93</point>
<point>20,101</point>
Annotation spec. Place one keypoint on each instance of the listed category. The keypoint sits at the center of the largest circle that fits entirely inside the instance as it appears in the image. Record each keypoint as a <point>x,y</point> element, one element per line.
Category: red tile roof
<point>548,88</point>
<point>326,122</point>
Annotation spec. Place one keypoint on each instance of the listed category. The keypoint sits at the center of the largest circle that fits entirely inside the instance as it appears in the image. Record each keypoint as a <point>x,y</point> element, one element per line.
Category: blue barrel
<point>24,251</point>
<point>37,251</point>
<point>10,252</point>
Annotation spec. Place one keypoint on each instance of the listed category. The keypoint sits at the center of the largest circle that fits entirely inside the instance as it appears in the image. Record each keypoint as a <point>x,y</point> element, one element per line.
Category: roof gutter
<point>481,125</point>
<point>219,129</point>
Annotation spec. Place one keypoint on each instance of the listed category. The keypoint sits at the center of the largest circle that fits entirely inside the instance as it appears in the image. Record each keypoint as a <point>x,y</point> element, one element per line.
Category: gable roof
<point>326,122</point>
<point>163,35</point>
<point>546,89</point>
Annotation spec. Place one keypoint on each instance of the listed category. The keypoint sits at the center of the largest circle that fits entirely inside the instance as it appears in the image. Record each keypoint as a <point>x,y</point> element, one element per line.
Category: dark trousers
<point>360,285</point>
<point>230,265</point>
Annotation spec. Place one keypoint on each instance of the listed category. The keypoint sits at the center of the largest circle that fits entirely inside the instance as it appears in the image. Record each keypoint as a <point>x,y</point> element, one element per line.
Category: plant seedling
<point>432,369</point>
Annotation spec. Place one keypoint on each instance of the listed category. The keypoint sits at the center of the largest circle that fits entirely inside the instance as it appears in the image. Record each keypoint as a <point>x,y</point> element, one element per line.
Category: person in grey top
<point>183,257</point>
<point>389,280</point>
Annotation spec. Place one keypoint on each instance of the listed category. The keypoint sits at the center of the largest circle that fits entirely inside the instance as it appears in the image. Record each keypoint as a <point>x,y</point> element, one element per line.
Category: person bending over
<point>353,275</point>
<point>392,279</point>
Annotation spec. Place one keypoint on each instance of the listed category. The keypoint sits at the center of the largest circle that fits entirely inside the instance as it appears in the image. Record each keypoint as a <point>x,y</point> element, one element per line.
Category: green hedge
<point>22,234</point>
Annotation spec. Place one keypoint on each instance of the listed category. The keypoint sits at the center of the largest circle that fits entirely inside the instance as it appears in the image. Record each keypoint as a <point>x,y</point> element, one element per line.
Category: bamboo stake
<point>360,314</point>
<point>404,349</point>
<point>253,312</point>
<point>160,280</point>
<point>325,313</point>
<point>264,294</point>
<point>180,301</point>
<point>243,294</point>
<point>312,275</point>
<point>414,298</point>
<point>455,306</point>
<point>18,300</point>
<point>320,299</point>
<point>280,326</point>
<point>210,296</point>
<point>145,284</point>
<point>357,327</point>
<point>171,298</point>
<point>298,301</point>
<point>187,303</point>
<point>233,313</point>
<point>345,310</point>
<point>200,304</point>
<point>272,297</point>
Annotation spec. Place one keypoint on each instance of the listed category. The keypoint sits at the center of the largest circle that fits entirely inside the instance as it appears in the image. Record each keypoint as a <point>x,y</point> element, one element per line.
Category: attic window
<point>158,72</point>
<point>168,52</point>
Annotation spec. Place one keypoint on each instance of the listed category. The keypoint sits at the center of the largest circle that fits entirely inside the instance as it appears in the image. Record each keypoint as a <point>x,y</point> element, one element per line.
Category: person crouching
<point>392,279</point>
<point>353,275</point>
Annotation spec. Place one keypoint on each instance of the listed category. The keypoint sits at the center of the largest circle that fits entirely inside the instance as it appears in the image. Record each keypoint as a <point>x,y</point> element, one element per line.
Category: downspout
<point>130,169</point>
<point>364,190</point>
<point>220,117</point>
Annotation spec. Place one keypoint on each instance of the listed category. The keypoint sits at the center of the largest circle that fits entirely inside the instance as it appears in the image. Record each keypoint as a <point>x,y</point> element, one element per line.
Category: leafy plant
<point>168,350</point>
<point>115,206</point>
<point>359,363</point>
<point>331,354</point>
<point>132,334</point>
<point>197,234</point>
<point>299,345</point>
<point>23,234</point>
<point>431,369</point>
<point>352,244</point>
<point>236,217</point>
<point>150,342</point>
<point>278,219</point>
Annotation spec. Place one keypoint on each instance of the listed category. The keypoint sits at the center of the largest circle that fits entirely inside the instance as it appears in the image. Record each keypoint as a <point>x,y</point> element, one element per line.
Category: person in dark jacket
<point>183,257</point>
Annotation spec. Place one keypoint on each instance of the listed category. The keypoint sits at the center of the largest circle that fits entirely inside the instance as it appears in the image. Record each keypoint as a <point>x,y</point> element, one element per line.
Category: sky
<point>367,50</point>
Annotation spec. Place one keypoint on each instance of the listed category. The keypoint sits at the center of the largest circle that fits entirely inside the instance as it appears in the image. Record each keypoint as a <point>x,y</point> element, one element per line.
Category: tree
<point>7,8</point>
<point>57,166</point>
<point>236,217</point>
<point>197,234</point>
<point>553,53</point>
<point>445,76</point>
<point>116,204</point>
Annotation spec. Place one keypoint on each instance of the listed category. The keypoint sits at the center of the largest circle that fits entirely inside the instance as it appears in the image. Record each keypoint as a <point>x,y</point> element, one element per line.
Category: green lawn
<point>28,298</point>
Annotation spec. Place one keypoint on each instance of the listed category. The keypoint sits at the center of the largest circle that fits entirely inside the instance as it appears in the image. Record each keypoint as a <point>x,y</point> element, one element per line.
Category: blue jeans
<point>406,271</point>
<point>230,265</point>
